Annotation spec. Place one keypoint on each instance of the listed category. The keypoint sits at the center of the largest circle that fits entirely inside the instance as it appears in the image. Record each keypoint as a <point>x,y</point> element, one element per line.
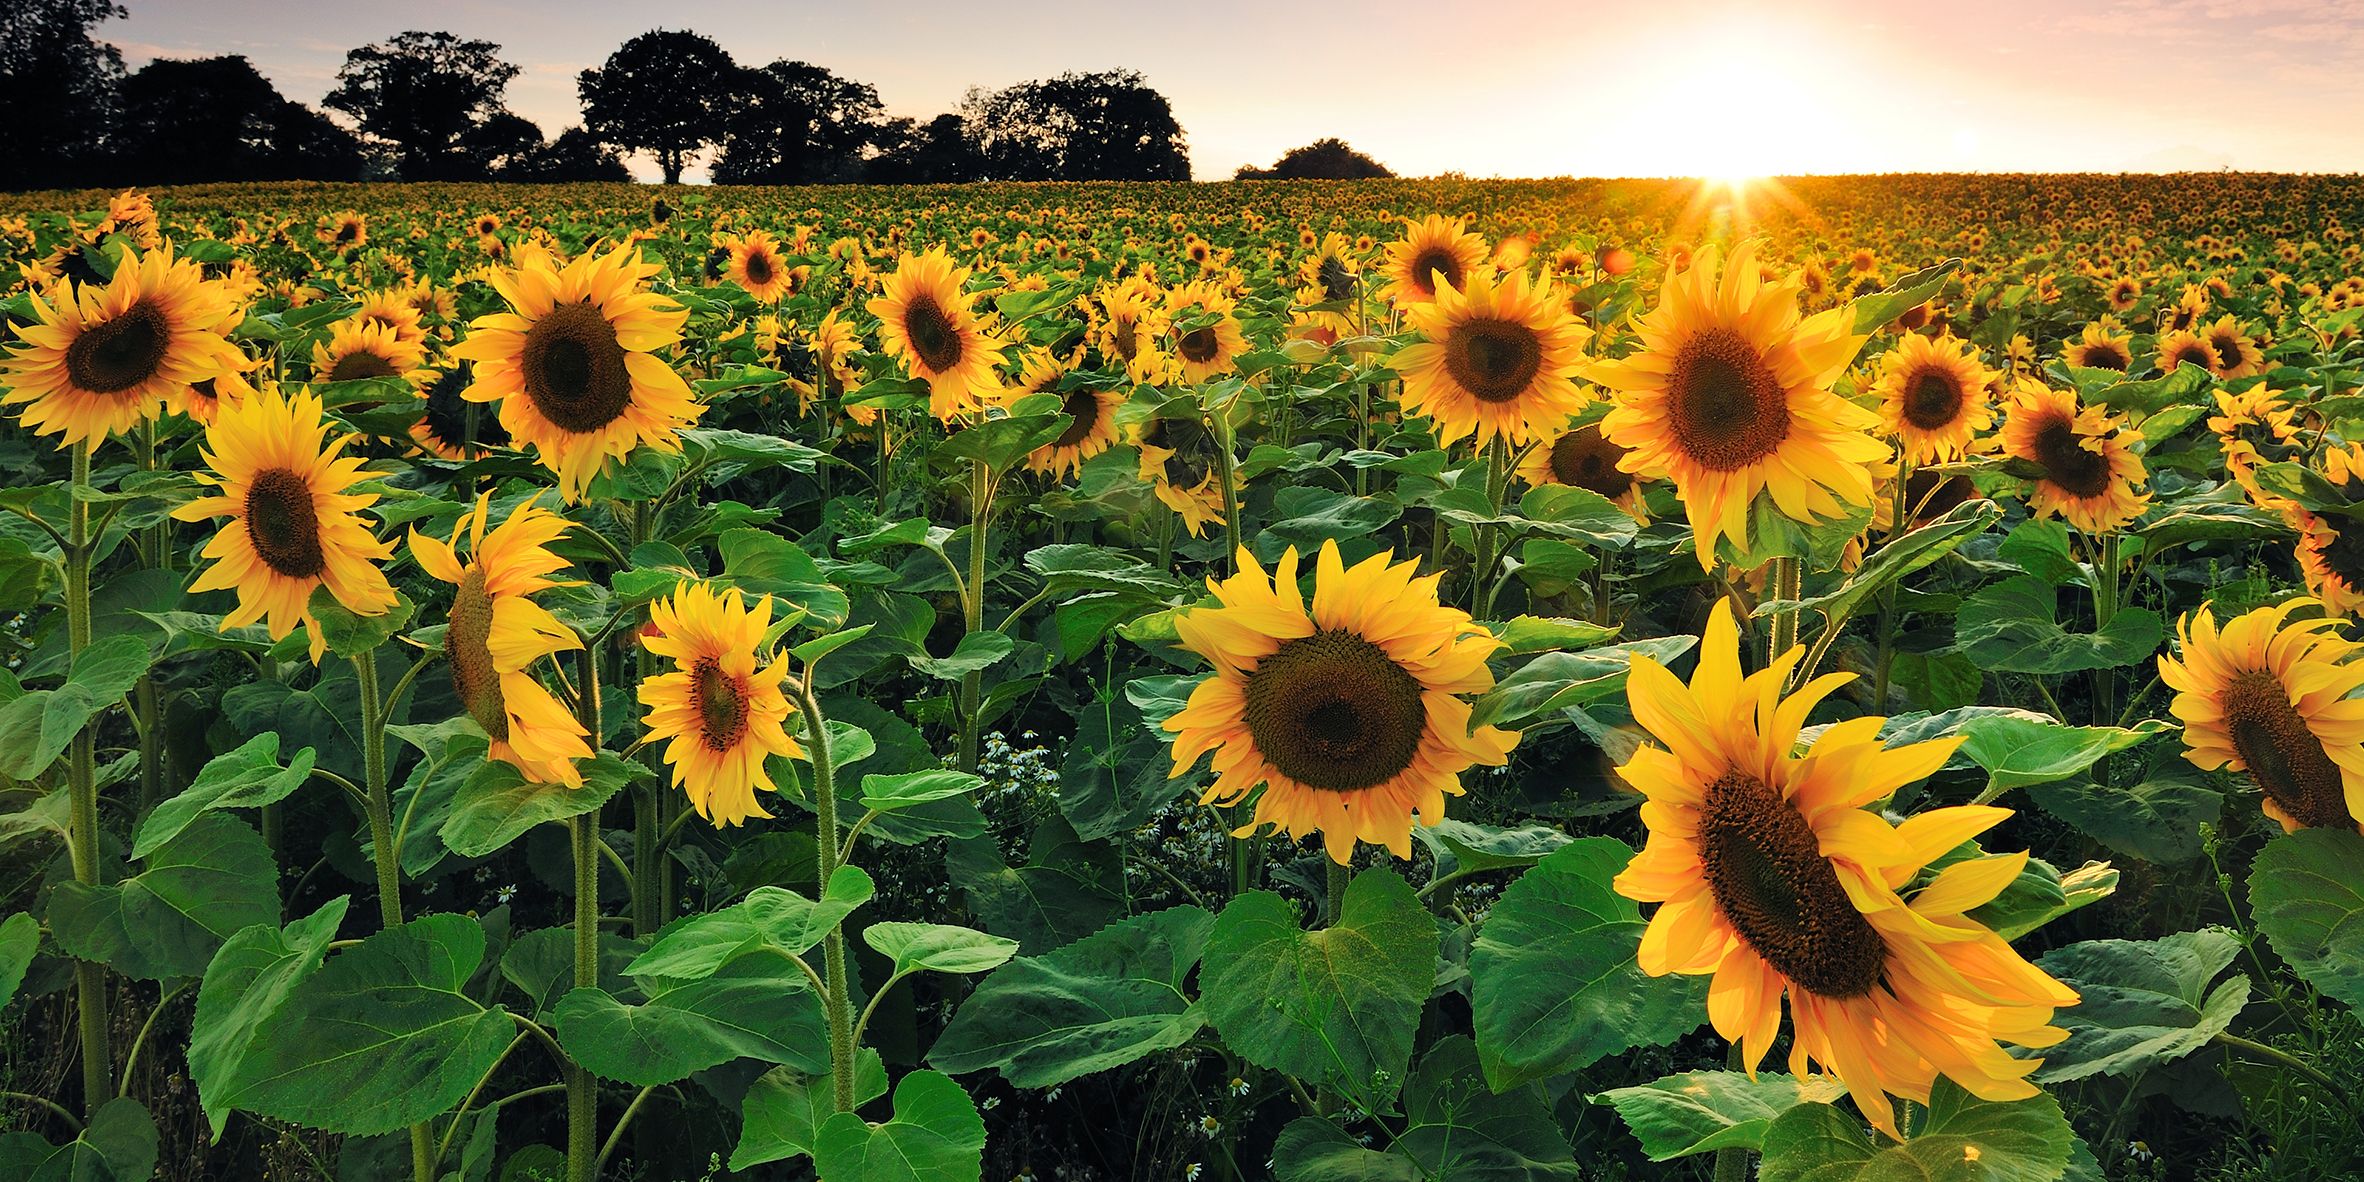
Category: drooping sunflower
<point>358,348</point>
<point>757,266</point>
<point>1729,396</point>
<point>1933,396</point>
<point>1348,714</point>
<point>2237,356</point>
<point>1204,350</point>
<point>2182,347</point>
<point>723,710</point>
<point>1435,250</point>
<point>1774,874</point>
<point>2255,427</point>
<point>103,357</point>
<point>574,363</point>
<point>292,526</point>
<point>925,319</point>
<point>497,634</point>
<point>2090,476</point>
<point>1177,459</point>
<point>1584,458</point>
<point>451,427</point>
<point>2269,697</point>
<point>2103,345</point>
<point>1499,360</point>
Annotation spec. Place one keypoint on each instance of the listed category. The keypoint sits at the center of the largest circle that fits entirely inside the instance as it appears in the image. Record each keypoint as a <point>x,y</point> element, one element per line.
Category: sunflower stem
<point>1336,880</point>
<point>649,833</point>
<point>1224,466</point>
<point>1782,579</point>
<point>82,844</point>
<point>1732,1160</point>
<point>973,606</point>
<point>380,809</point>
<point>582,1092</point>
<point>834,999</point>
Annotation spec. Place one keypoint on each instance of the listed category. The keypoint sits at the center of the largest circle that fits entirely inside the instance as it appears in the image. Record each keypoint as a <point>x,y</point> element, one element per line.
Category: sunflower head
<point>360,348</point>
<point>926,321</point>
<point>1499,360</point>
<point>1933,396</point>
<point>2089,476</point>
<point>1435,250</point>
<point>2269,697</point>
<point>103,357</point>
<point>722,706</point>
<point>1582,457</point>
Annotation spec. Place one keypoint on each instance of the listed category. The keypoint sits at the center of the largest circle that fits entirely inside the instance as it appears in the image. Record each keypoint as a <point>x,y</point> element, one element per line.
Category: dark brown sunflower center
<point>2284,758</point>
<point>1932,399</point>
<point>1199,346</point>
<point>1436,267</point>
<point>2106,355</point>
<point>932,334</point>
<point>116,355</point>
<point>1587,460</point>
<point>1334,711</point>
<point>2228,349</point>
<point>283,524</point>
<point>573,367</point>
<point>1728,410</point>
<point>2189,352</point>
<point>1083,407</point>
<point>1765,867</point>
<point>759,269</point>
<point>1126,337</point>
<point>348,231</point>
<point>722,704</point>
<point>361,363</point>
<point>2078,470</point>
<point>1495,360</point>
<point>468,645</point>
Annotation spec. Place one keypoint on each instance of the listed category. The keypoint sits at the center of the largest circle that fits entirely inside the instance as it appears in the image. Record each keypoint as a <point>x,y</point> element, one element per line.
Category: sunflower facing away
<point>497,634</point>
<point>2089,474</point>
<point>722,711</point>
<point>1729,396</point>
<point>103,357</point>
<point>1347,714</point>
<point>1435,250</point>
<point>292,526</point>
<point>2269,698</point>
<point>1774,874</point>
<point>1582,457</point>
<point>573,363</point>
<point>1933,396</point>
<point>1177,459</point>
<point>1499,361</point>
<point>924,319</point>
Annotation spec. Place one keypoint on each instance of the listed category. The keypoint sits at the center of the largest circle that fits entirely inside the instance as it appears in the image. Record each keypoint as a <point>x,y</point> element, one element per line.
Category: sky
<point>1522,88</point>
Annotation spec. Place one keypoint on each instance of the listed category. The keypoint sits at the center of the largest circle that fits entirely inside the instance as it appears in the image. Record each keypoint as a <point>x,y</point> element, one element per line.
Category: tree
<point>1078,127</point>
<point>217,119</point>
<point>500,144</point>
<point>57,91</point>
<point>1328,159</point>
<point>662,93</point>
<point>421,93</point>
<point>576,155</point>
<point>932,153</point>
<point>797,123</point>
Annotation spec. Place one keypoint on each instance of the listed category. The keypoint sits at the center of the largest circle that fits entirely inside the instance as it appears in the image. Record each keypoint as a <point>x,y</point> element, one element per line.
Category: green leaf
<point>1881,308</point>
<point>935,1135</point>
<point>119,1145</point>
<point>769,919</point>
<point>350,635</point>
<point>1457,1127</point>
<point>1311,1149</point>
<point>938,948</point>
<point>36,727</point>
<point>748,451</point>
<point>20,938</point>
<point>2042,894</point>
<point>382,1036</point>
<point>2141,1004</point>
<point>1555,681</point>
<point>1906,555</point>
<point>1471,847</point>
<point>1100,1002</point>
<point>760,1008</point>
<point>498,804</point>
<point>2017,752</point>
<point>2009,627</point>
<point>1956,1139</point>
<point>1703,1111</point>
<point>249,777</point>
<point>1068,888</point>
<point>1001,443</point>
<point>1072,567</point>
<point>541,964</point>
<point>2158,820</point>
<point>244,987</point>
<point>194,892</point>
<point>889,793</point>
<point>762,563</point>
<point>1339,1005</point>
<point>1535,634</point>
<point>1115,777</point>
<point>976,652</point>
<point>2308,899</point>
<point>1553,981</point>
<point>785,1109</point>
<point>1307,515</point>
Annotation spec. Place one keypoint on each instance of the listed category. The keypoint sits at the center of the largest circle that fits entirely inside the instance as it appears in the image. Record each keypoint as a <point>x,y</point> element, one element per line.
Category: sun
<point>1723,110</point>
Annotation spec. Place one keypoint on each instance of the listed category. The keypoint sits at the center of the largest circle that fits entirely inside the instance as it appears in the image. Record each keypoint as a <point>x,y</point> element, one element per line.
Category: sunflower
<point>345,231</point>
<point>1933,396</point>
<point>1774,874</point>
<point>204,398</point>
<point>1584,458</point>
<point>2182,347</point>
<point>1094,412</point>
<point>574,365</point>
<point>2123,294</point>
<point>497,634</point>
<point>1330,271</point>
<point>1433,251</point>
<point>2237,356</point>
<point>2270,698</point>
<point>292,527</point>
<point>1348,715</point>
<point>1499,361</point>
<point>2089,474</point>
<point>2255,427</point>
<point>1177,461</point>
<point>1206,350</point>
<point>757,266</point>
<point>396,310</point>
<point>924,318</point>
<point>1128,322</point>
<point>2103,345</point>
<point>723,711</point>
<point>102,357</point>
<point>1729,396</point>
<point>358,348</point>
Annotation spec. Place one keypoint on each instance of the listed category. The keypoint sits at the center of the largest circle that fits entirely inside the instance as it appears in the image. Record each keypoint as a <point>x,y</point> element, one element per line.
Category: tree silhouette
<point>936,152</point>
<point>57,91</point>
<point>217,119</point>
<point>421,93</point>
<point>797,123</point>
<point>1327,159</point>
<point>576,155</point>
<point>664,93</point>
<point>1078,127</point>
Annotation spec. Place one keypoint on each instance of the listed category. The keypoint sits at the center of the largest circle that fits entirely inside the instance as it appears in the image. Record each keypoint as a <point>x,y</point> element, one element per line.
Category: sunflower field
<point>1845,679</point>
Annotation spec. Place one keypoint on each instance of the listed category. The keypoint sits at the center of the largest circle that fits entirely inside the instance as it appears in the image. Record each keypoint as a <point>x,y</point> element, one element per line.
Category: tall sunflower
<point>574,363</point>
<point>925,319</point>
<point>292,526</point>
<point>2237,355</point>
<point>1348,715</point>
<point>103,357</point>
<point>1774,874</point>
<point>722,709</point>
<point>2270,698</point>
<point>1729,396</point>
<point>497,634</point>
<point>1499,361</point>
<point>1092,431</point>
<point>2089,476</point>
<point>1435,250</point>
<point>1933,396</point>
